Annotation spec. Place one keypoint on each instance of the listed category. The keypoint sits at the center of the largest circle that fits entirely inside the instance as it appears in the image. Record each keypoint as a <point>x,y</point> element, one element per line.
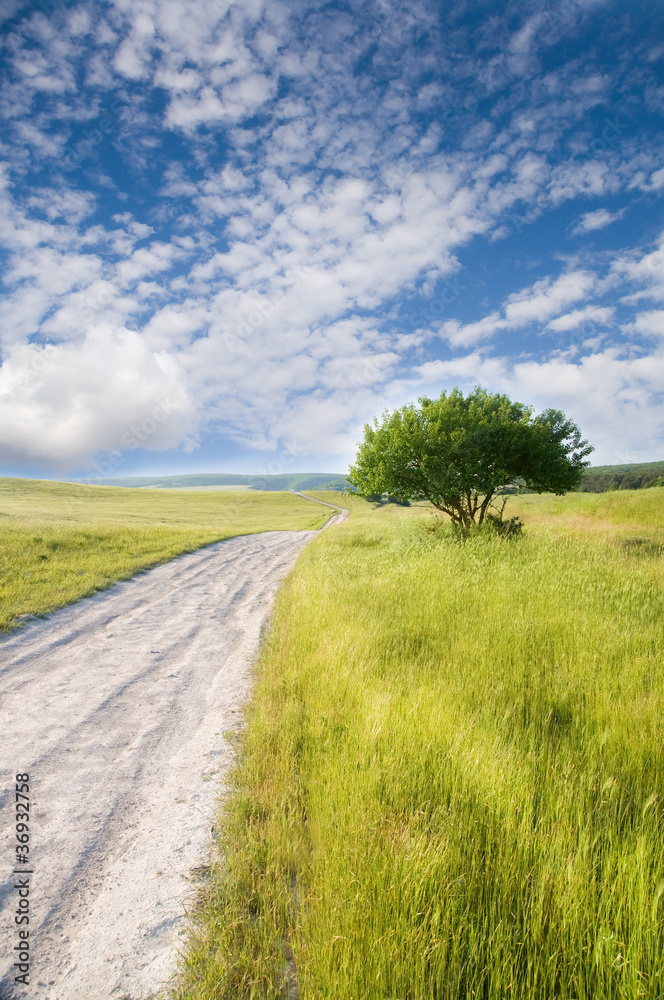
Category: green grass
<point>60,541</point>
<point>451,780</point>
<point>628,508</point>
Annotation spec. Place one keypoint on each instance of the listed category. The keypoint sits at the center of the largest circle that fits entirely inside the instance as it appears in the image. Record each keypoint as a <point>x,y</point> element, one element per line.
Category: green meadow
<point>61,541</point>
<point>451,780</point>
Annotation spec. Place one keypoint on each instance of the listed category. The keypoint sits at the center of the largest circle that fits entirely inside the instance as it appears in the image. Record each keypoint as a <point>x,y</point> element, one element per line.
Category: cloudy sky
<point>233,232</point>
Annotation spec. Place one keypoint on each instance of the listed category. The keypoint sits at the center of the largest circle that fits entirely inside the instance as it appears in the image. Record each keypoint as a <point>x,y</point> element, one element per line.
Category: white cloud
<point>133,57</point>
<point>72,206</point>
<point>546,298</point>
<point>599,219</point>
<point>535,304</point>
<point>459,335</point>
<point>657,179</point>
<point>646,270</point>
<point>579,317</point>
<point>650,323</point>
<point>61,404</point>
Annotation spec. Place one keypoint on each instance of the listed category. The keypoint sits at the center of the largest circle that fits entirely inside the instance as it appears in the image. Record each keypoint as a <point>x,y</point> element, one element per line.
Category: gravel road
<point>117,708</point>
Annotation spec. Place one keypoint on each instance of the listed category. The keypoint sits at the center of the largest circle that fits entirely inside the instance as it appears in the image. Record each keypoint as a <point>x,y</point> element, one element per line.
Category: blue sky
<point>234,232</point>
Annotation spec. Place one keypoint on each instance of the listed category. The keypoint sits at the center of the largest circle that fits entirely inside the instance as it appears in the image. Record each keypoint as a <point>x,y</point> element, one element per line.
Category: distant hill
<point>598,479</point>
<point>287,481</point>
<point>637,476</point>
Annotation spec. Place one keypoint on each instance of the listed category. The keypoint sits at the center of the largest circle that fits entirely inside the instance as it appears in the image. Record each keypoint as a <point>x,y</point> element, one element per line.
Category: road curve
<point>117,708</point>
<point>321,502</point>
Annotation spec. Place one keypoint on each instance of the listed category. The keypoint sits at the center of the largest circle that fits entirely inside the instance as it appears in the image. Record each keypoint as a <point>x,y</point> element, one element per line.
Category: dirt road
<point>117,708</point>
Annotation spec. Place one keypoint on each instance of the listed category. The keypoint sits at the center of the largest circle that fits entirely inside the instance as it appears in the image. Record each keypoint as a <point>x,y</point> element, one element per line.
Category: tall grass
<point>451,780</point>
<point>643,509</point>
<point>61,541</point>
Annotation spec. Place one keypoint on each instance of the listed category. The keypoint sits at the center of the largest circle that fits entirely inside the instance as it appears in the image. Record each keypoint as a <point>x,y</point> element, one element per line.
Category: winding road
<point>117,707</point>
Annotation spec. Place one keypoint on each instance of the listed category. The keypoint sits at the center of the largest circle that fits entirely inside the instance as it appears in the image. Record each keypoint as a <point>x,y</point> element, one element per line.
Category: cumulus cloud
<point>60,404</point>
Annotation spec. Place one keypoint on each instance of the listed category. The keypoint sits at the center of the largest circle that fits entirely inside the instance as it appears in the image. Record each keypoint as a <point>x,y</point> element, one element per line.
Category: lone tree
<point>460,453</point>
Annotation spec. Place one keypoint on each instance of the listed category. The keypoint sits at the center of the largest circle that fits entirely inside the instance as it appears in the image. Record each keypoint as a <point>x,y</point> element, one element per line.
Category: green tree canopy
<point>459,453</point>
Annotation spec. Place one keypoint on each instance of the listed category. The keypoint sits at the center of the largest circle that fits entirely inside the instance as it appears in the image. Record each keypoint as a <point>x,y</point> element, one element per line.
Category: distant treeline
<point>622,477</point>
<point>285,481</point>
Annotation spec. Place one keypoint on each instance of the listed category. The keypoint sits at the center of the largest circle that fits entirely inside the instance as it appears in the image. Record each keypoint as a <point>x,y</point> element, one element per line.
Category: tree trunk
<point>485,506</point>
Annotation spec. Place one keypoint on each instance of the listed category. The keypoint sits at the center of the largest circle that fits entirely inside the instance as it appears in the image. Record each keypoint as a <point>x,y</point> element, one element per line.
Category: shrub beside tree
<point>460,453</point>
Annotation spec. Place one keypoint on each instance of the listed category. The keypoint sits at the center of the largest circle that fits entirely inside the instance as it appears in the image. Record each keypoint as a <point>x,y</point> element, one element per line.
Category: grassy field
<point>451,780</point>
<point>588,511</point>
<point>60,541</point>
<point>201,489</point>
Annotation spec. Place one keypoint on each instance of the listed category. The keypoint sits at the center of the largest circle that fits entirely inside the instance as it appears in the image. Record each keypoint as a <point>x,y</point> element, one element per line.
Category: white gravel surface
<point>117,707</point>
